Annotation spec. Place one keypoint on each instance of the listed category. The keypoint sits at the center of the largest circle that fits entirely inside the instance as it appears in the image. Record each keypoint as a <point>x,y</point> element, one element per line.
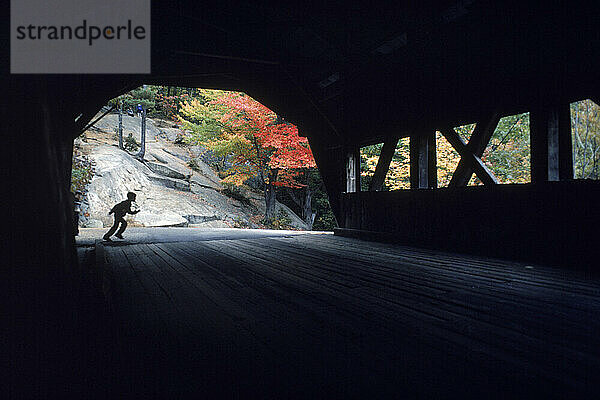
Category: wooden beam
<point>481,170</point>
<point>423,165</point>
<point>383,164</point>
<point>353,171</point>
<point>330,161</point>
<point>538,142</point>
<point>477,143</point>
<point>88,126</point>
<point>414,161</point>
<point>455,140</point>
<point>565,142</point>
<point>432,160</point>
<point>551,146</point>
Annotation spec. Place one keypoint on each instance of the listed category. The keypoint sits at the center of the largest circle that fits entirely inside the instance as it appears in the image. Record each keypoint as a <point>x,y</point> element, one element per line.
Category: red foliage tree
<point>257,142</point>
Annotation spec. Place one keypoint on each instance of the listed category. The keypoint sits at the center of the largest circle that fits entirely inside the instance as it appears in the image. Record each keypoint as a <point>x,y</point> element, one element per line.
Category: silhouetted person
<point>120,210</point>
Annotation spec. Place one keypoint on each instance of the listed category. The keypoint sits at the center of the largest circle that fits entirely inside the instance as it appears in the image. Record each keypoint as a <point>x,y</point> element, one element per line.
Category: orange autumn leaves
<point>252,137</point>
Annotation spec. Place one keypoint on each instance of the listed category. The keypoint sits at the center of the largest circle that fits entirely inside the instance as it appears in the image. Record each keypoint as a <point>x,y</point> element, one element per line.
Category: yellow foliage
<point>398,176</point>
<point>447,160</point>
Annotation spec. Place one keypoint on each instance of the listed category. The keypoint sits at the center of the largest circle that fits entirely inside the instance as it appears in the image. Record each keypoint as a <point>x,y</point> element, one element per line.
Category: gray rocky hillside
<point>169,193</point>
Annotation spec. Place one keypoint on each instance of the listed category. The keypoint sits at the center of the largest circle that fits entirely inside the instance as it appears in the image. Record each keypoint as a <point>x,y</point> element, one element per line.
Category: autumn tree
<point>398,176</point>
<point>255,140</point>
<point>508,153</point>
<point>168,105</point>
<point>507,156</point>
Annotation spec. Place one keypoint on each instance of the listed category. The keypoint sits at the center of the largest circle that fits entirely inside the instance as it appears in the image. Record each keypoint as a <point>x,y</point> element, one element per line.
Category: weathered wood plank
<point>530,307</point>
<point>134,302</point>
<point>359,302</point>
<point>259,295</point>
<point>204,322</point>
<point>412,277</point>
<point>275,327</point>
<point>569,280</point>
<point>451,268</point>
<point>493,336</point>
<point>532,312</point>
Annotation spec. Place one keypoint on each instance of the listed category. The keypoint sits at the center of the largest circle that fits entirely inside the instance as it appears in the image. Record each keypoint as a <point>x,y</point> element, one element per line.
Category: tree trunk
<point>305,204</point>
<point>121,125</point>
<point>270,196</point>
<point>307,213</point>
<point>142,151</point>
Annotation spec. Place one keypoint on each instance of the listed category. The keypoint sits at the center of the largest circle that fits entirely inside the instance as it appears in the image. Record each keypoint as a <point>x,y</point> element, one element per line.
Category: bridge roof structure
<point>366,70</point>
<point>357,72</point>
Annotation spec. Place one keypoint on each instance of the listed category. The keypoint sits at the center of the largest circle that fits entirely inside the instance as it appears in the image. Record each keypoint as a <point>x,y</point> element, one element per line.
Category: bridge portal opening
<point>197,158</point>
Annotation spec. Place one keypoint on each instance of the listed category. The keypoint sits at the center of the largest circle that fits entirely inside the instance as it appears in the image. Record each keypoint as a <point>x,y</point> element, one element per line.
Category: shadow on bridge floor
<point>322,316</point>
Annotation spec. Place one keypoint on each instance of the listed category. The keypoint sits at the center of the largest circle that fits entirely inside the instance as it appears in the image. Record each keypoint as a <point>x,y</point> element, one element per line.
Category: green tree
<point>311,201</point>
<point>142,95</point>
<point>585,125</point>
<point>508,153</point>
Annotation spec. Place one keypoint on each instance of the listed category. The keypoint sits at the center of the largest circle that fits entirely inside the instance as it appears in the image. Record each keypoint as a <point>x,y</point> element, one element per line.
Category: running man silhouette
<point>120,210</point>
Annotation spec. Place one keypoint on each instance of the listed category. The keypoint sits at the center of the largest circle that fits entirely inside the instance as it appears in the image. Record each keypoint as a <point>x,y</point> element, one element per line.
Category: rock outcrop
<point>169,193</point>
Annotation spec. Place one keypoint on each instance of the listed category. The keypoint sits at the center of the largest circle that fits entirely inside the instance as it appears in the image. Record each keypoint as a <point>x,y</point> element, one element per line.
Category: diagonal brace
<point>477,165</point>
<point>470,161</point>
<point>383,164</point>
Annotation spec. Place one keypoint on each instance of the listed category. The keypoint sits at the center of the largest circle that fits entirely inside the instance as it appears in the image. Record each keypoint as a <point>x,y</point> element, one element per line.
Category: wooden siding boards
<point>517,221</point>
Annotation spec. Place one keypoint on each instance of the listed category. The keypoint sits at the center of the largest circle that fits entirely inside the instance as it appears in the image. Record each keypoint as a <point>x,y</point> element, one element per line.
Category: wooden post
<point>565,143</point>
<point>353,171</point>
<point>538,139</point>
<point>432,160</point>
<point>551,147</point>
<point>414,161</point>
<point>423,163</point>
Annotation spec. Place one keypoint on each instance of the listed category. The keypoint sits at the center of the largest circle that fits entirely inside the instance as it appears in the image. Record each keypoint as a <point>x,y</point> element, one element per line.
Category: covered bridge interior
<point>347,77</point>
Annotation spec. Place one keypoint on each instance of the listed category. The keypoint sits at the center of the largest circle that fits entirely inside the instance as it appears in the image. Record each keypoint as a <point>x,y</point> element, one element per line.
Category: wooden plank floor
<point>318,315</point>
